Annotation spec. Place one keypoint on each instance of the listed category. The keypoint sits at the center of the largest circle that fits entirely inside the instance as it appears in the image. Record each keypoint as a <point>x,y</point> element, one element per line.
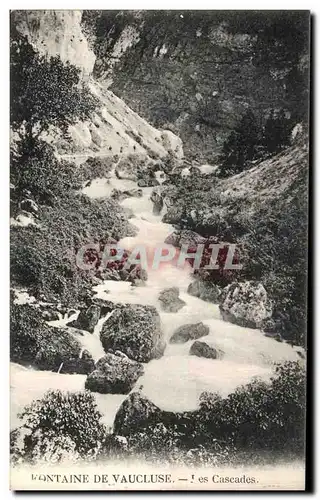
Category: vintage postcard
<point>159,235</point>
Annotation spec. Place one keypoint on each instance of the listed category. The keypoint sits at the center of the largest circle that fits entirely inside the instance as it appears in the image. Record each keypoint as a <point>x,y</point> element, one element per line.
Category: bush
<point>46,447</point>
<point>41,173</point>
<point>62,424</point>
<point>168,445</point>
<point>256,422</point>
<point>277,130</point>
<point>43,259</point>
<point>259,415</point>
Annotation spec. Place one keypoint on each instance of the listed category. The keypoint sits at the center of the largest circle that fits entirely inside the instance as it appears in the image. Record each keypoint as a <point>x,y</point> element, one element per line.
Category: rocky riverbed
<point>170,374</point>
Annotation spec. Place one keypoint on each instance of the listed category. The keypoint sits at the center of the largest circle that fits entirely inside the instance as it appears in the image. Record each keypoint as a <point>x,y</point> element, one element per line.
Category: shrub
<point>276,133</point>
<point>41,173</point>
<point>43,259</point>
<point>259,415</point>
<point>46,447</point>
<point>168,445</point>
<point>60,424</point>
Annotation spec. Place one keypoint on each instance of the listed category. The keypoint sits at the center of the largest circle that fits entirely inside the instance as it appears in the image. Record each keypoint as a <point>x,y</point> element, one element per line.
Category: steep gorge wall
<point>54,32</point>
<point>198,72</point>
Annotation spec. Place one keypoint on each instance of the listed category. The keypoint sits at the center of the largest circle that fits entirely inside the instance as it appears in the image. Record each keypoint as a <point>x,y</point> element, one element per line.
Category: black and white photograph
<point>159,214</point>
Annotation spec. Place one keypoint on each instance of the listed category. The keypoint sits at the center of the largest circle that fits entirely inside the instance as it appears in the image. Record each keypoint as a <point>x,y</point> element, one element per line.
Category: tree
<point>276,131</point>
<point>44,91</point>
<point>242,145</point>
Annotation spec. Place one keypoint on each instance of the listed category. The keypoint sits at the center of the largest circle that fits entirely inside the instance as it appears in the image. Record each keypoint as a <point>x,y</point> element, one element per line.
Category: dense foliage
<point>249,141</point>
<point>60,426</point>
<point>44,258</point>
<point>27,332</point>
<point>277,255</point>
<point>260,415</point>
<point>36,171</point>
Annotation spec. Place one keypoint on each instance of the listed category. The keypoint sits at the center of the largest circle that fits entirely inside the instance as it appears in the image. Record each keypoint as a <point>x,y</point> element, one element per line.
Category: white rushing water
<point>175,381</point>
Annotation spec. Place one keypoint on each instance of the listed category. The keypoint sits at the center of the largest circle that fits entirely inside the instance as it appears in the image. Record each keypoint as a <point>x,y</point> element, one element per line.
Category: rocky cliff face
<point>198,72</point>
<point>114,128</point>
<point>55,32</point>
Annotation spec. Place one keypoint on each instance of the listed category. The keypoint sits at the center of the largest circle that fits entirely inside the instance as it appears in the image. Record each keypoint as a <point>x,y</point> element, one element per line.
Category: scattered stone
<point>135,193</point>
<point>29,206</point>
<point>114,374</point>
<point>189,332</point>
<point>203,350</point>
<point>204,290</point>
<point>138,282</point>
<point>121,441</point>
<point>274,336</point>
<point>169,299</point>
<point>87,319</point>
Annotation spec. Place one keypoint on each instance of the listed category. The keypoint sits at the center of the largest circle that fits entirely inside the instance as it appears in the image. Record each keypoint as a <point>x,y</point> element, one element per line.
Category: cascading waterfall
<point>175,381</point>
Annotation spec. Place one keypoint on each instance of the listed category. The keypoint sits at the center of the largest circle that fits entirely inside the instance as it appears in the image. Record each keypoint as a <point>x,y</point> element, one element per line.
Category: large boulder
<point>205,290</point>
<point>81,363</point>
<point>87,319</point>
<point>135,412</point>
<point>245,304</point>
<point>134,330</point>
<point>204,350</point>
<point>114,374</point>
<point>169,300</point>
<point>189,332</point>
